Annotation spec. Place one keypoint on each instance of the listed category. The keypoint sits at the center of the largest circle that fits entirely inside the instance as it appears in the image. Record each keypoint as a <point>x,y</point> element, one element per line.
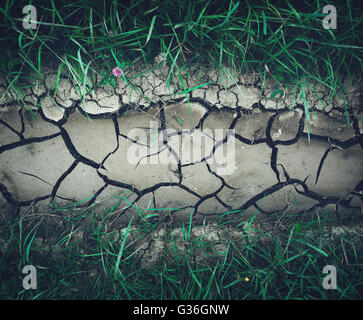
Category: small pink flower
<point>117,72</point>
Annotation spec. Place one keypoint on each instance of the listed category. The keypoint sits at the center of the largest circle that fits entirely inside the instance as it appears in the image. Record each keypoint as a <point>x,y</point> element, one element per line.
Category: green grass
<point>284,41</point>
<point>82,255</point>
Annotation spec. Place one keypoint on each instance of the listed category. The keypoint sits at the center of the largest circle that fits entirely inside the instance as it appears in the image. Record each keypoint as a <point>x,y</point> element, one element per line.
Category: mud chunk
<point>258,134</point>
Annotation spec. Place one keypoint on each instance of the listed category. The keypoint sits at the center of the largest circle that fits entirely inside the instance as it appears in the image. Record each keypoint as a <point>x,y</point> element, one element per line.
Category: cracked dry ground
<point>67,151</point>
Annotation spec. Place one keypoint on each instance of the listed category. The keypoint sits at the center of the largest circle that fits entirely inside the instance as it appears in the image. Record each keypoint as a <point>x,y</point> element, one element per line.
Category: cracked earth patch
<point>224,149</point>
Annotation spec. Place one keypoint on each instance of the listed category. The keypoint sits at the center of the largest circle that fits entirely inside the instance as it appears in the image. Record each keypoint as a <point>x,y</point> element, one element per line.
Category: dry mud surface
<point>228,147</point>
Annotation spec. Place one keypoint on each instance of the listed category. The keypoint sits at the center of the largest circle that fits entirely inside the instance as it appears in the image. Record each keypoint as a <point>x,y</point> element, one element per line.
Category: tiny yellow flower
<point>247,279</point>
